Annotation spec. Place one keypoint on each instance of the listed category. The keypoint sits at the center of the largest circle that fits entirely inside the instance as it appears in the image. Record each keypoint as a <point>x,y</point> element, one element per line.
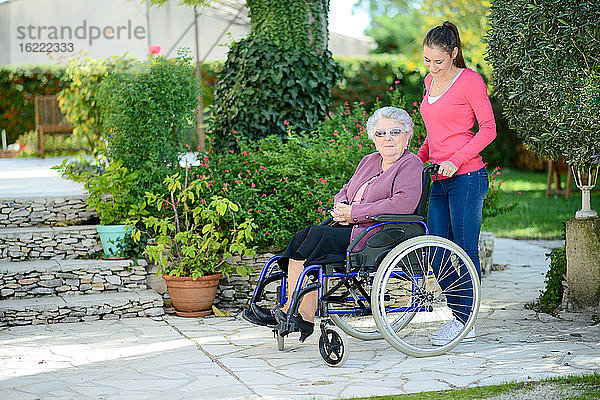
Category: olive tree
<point>545,56</point>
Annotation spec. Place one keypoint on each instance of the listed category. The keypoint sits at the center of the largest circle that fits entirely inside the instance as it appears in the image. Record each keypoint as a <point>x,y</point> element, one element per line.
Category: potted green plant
<point>109,193</point>
<point>195,241</point>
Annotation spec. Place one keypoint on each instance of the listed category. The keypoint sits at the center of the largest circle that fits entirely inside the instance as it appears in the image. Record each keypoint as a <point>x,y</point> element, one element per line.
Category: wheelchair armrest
<point>397,218</point>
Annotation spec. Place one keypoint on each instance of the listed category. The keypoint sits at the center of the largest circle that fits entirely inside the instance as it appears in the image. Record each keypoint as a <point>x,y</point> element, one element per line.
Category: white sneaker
<point>448,332</point>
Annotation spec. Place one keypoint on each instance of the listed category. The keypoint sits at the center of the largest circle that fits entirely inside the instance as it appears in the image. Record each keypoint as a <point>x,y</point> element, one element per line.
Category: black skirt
<point>318,244</point>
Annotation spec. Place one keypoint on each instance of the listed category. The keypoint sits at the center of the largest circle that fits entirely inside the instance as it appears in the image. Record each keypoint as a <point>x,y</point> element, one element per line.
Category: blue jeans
<point>455,206</point>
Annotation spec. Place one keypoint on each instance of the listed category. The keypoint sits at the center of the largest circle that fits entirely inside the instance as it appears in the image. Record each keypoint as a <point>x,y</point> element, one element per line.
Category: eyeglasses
<point>393,132</point>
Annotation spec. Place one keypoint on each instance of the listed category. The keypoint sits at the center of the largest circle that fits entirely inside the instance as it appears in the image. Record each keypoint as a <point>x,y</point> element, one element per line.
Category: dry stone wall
<point>63,277</point>
<point>81,308</point>
<point>19,244</point>
<point>49,211</point>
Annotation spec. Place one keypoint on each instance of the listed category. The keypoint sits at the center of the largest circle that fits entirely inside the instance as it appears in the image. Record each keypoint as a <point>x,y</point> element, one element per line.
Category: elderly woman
<point>387,181</point>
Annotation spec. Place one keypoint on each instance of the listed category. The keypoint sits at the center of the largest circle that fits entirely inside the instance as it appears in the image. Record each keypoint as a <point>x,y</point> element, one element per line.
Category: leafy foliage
<point>109,189</point>
<point>551,297</point>
<point>493,203</point>
<point>286,185</point>
<point>18,87</point>
<point>145,114</point>
<point>545,61</point>
<point>281,72</point>
<point>193,236</point>
<point>367,78</point>
<point>78,100</point>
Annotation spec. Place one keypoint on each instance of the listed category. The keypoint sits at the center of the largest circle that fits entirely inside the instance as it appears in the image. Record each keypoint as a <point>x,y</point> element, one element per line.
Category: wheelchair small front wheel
<point>333,346</point>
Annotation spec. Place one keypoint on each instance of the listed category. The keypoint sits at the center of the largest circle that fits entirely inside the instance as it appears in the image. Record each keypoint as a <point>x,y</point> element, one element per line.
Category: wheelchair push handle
<point>432,169</point>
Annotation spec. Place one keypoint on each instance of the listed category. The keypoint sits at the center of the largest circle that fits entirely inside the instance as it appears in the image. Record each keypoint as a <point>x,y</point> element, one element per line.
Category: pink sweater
<point>450,120</point>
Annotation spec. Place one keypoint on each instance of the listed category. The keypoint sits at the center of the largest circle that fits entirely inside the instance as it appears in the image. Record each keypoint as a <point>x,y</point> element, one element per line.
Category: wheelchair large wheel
<point>430,282</point>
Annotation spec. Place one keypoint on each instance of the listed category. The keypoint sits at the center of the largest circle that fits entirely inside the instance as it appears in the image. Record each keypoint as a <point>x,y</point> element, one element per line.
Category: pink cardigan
<point>395,191</point>
<point>450,119</point>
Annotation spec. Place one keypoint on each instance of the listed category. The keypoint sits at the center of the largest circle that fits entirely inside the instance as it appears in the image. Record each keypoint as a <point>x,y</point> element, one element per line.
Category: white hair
<point>397,114</point>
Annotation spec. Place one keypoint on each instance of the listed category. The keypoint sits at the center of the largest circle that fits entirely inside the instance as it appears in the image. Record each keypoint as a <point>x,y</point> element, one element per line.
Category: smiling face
<point>391,147</point>
<point>439,62</point>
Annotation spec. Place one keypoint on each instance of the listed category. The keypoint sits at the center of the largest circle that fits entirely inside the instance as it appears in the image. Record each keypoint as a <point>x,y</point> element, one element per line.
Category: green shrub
<point>109,188</point>
<point>18,86</point>
<point>78,100</point>
<point>263,85</point>
<point>551,297</point>
<point>145,114</point>
<point>545,63</point>
<point>57,144</point>
<point>367,78</point>
<point>494,205</point>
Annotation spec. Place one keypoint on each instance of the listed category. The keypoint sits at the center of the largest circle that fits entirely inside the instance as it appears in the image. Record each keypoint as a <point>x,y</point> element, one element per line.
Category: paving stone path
<point>226,358</point>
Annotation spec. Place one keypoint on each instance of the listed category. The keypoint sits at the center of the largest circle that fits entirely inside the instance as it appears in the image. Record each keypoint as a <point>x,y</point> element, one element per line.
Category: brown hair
<point>446,37</point>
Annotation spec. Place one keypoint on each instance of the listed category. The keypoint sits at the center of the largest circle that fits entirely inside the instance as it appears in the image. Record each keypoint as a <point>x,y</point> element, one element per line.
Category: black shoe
<point>295,322</point>
<point>263,314</point>
<point>251,317</point>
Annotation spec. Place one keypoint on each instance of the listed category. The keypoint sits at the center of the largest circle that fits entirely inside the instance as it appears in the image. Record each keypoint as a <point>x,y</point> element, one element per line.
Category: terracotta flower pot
<point>192,298</point>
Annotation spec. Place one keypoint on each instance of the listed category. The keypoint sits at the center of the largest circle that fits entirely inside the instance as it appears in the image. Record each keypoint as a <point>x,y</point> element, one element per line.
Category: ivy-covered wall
<point>281,72</point>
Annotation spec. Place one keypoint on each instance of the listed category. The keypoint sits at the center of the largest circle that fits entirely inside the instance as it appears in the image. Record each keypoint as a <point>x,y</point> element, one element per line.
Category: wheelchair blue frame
<point>300,291</point>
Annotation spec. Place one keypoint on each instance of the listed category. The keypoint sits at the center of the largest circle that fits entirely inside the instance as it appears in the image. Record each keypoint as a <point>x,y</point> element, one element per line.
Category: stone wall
<point>71,277</point>
<point>44,211</point>
<point>236,291</point>
<point>80,309</point>
<point>18,244</point>
<point>486,251</point>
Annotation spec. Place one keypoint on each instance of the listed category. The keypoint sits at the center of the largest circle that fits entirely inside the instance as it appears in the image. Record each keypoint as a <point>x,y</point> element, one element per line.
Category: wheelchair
<point>402,286</point>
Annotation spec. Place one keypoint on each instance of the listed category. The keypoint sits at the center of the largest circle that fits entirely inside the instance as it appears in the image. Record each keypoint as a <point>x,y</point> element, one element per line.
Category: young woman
<point>455,97</point>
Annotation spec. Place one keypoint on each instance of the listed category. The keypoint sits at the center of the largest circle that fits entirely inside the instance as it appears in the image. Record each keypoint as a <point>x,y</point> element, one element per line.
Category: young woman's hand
<point>447,168</point>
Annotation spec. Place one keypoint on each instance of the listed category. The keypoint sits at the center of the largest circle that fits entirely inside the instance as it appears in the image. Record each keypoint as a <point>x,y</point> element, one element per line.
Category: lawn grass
<point>535,217</point>
<point>575,387</point>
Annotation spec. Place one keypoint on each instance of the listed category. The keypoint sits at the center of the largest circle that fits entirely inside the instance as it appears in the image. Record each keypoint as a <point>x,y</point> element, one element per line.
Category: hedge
<point>18,86</point>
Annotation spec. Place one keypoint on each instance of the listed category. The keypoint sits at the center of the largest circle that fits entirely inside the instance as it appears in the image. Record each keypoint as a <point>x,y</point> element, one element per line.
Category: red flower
<point>155,49</point>
<point>285,122</point>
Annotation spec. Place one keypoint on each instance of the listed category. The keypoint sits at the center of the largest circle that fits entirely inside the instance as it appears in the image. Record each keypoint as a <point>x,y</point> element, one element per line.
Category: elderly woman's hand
<point>342,213</point>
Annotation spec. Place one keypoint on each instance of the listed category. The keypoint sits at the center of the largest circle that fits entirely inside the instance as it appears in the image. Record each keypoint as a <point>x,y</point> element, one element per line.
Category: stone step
<point>38,278</point>
<point>44,211</point>
<point>44,243</point>
<point>80,308</point>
